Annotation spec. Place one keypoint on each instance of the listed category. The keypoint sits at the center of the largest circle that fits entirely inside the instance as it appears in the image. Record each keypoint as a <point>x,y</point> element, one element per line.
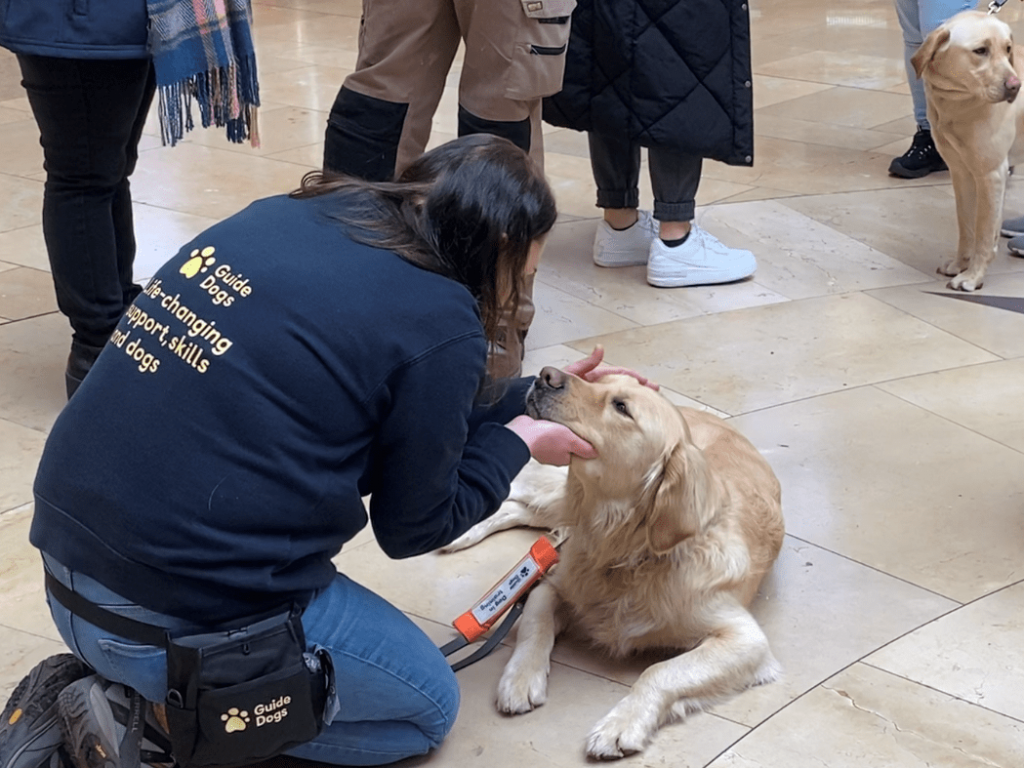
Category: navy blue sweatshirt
<point>271,374</point>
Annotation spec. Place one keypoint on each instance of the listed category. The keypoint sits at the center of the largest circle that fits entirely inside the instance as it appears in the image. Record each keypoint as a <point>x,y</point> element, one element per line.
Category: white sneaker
<point>625,247</point>
<point>701,260</point>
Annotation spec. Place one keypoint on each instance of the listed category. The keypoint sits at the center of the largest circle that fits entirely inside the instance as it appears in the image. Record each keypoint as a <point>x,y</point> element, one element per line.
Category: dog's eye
<point>620,406</point>
<point>983,51</point>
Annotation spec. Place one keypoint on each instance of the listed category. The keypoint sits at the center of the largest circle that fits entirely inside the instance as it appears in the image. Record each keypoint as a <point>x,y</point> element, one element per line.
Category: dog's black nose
<point>551,378</point>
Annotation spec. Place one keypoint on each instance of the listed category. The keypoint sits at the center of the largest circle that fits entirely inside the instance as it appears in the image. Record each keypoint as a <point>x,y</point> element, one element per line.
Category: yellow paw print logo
<point>199,261</point>
<point>234,720</point>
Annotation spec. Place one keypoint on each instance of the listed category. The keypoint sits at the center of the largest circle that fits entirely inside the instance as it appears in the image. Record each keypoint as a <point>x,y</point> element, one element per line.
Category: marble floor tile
<point>999,331</point>
<point>770,90</point>
<point>22,202</point>
<point>20,153</point>
<point>25,247</point>
<point>822,133</point>
<point>25,292</point>
<point>33,354</point>
<point>915,225</point>
<point>850,70</point>
<point>309,87</point>
<point>280,129</point>
<point>19,652</point>
<point>888,484</point>
<point>866,717</point>
<point>983,398</point>
<point>21,572</point>
<point>854,107</point>
<point>853,340</point>
<point>564,316</point>
<point>209,182</point>
<point>799,257</point>
<point>20,449</point>
<point>309,27</point>
<point>974,654</point>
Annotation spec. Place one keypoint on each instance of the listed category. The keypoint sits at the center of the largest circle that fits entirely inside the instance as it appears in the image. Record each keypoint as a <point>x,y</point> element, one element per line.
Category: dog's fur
<point>671,529</point>
<point>972,74</point>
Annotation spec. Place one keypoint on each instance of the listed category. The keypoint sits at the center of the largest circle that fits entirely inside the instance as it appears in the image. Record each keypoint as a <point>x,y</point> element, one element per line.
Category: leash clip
<point>995,6</point>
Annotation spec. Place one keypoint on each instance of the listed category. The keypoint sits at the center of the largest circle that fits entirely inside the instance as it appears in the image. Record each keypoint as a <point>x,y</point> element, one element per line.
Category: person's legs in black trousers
<point>90,115</point>
<point>676,251</point>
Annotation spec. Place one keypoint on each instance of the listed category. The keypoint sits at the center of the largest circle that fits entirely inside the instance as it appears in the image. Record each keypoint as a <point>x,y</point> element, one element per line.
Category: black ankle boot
<point>79,362</point>
<point>921,159</point>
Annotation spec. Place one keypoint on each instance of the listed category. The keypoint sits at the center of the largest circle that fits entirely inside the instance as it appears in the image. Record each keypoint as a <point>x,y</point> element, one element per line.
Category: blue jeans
<point>918,18</point>
<point>90,114</point>
<point>397,696</point>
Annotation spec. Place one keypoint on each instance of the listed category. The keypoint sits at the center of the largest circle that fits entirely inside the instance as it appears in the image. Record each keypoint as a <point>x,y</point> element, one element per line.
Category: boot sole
<point>903,173</point>
<point>91,743</point>
<point>44,737</point>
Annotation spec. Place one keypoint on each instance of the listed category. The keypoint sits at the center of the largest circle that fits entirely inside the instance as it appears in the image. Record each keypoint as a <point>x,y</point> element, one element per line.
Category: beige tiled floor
<point>893,416</point>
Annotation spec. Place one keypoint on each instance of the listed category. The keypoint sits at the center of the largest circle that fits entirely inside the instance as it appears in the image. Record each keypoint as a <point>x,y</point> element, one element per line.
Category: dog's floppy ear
<point>679,504</point>
<point>926,52</point>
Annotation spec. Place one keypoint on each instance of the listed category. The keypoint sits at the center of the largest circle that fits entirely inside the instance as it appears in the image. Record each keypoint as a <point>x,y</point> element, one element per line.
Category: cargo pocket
<point>538,62</point>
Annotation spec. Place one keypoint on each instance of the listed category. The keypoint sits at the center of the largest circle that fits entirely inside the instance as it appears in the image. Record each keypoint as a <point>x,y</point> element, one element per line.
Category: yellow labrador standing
<point>671,530</point>
<point>972,75</point>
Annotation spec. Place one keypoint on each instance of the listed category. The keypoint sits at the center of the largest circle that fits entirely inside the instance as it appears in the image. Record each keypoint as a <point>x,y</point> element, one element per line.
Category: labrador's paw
<point>522,689</point>
<point>623,731</point>
<point>966,281</point>
<point>474,535</point>
<point>953,267</point>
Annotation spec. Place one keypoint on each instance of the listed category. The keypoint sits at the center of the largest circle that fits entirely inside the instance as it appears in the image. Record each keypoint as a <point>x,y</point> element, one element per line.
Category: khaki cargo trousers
<point>514,55</point>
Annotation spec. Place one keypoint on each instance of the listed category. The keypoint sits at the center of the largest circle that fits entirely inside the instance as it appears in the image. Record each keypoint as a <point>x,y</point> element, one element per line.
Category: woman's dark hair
<point>468,210</point>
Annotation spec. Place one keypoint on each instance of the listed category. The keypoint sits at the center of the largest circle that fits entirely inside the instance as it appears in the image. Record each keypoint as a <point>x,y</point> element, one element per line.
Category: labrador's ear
<point>926,52</point>
<point>678,502</point>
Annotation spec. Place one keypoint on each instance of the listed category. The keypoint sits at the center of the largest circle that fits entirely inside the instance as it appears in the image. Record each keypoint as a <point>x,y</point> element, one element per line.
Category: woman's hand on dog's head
<point>590,369</point>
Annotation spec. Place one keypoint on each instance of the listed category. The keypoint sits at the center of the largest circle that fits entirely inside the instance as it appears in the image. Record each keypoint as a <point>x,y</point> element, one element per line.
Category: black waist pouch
<point>244,695</point>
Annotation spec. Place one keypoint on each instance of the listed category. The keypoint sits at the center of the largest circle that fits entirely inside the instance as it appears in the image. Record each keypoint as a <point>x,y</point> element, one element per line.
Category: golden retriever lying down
<point>670,531</point>
<point>972,74</point>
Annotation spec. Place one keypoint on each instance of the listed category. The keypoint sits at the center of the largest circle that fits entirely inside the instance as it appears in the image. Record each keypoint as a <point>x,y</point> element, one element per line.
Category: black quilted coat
<point>672,73</point>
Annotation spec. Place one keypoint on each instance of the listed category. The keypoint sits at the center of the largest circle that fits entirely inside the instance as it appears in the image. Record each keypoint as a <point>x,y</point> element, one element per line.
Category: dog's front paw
<point>623,731</point>
<point>464,541</point>
<point>521,690</point>
<point>474,535</point>
<point>965,281</point>
<point>952,267</point>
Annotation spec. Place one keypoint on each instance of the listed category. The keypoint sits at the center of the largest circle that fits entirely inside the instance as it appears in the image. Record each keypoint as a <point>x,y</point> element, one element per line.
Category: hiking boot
<point>93,717</point>
<point>921,159</point>
<point>699,260</point>
<point>627,247</point>
<point>1012,227</point>
<point>30,725</point>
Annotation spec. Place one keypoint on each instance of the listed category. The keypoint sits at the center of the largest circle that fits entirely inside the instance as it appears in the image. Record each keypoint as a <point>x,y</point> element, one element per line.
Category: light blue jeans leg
<point>918,18</point>
<point>397,696</point>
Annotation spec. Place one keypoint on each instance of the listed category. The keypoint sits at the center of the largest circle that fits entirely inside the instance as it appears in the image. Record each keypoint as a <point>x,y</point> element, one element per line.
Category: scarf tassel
<point>226,97</point>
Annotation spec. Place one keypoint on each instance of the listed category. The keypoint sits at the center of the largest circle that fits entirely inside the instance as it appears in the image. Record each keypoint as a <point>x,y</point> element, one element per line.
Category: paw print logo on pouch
<point>199,261</point>
<point>234,720</point>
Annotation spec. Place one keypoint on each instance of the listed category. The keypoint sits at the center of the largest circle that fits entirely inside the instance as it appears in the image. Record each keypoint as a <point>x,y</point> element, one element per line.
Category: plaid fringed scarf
<point>203,50</point>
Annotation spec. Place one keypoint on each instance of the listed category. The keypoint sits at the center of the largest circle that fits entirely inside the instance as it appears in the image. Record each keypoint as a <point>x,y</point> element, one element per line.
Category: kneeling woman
<point>311,350</point>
